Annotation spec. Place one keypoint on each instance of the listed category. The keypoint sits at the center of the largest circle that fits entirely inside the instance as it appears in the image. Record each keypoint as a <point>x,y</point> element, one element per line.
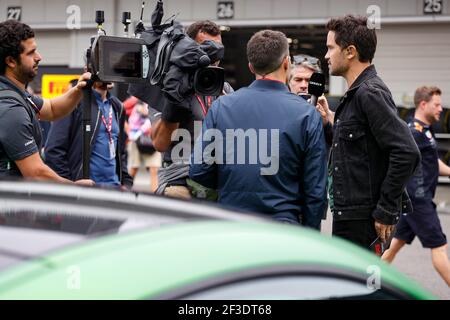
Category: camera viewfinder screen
<point>122,60</point>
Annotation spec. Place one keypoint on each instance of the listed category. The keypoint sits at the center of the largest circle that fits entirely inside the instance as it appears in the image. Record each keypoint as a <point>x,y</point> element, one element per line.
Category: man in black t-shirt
<point>20,132</point>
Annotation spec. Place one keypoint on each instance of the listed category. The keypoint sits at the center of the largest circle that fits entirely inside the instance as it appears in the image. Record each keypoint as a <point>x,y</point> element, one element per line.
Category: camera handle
<point>86,116</point>
<point>86,127</point>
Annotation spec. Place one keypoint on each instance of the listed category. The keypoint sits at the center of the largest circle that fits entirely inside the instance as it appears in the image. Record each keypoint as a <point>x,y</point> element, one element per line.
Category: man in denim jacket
<point>373,154</point>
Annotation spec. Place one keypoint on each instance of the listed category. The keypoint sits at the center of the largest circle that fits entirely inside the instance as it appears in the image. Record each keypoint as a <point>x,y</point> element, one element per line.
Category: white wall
<point>409,56</point>
<point>44,12</point>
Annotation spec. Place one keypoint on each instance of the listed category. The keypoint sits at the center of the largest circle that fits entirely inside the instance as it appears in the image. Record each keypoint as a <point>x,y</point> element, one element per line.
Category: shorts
<point>135,158</point>
<point>424,223</point>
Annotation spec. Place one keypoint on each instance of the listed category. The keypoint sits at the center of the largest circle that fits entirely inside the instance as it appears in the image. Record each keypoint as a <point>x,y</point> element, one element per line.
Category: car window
<point>292,288</point>
<point>30,233</point>
<point>19,244</point>
<point>53,221</point>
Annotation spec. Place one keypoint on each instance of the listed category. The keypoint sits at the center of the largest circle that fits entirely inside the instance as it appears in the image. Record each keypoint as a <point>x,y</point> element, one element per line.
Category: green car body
<point>145,265</point>
<point>175,260</point>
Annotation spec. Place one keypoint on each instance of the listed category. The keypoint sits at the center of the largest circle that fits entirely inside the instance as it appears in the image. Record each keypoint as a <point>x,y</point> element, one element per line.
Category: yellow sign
<point>54,85</point>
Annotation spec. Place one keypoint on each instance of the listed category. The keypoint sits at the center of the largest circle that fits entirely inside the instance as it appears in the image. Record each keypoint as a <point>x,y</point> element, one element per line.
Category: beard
<point>431,117</point>
<point>434,118</point>
<point>25,74</point>
<point>338,71</point>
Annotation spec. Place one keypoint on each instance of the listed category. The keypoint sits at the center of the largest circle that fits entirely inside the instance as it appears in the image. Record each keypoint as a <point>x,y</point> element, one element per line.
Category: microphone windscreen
<point>316,85</point>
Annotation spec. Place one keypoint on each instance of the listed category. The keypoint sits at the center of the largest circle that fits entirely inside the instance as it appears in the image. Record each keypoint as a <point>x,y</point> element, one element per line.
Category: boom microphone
<point>316,86</point>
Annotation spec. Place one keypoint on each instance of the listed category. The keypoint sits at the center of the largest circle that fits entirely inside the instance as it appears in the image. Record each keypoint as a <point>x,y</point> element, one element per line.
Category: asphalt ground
<point>413,260</point>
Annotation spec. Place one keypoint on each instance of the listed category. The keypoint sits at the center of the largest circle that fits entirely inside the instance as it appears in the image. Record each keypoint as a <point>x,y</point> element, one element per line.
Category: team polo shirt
<point>20,132</point>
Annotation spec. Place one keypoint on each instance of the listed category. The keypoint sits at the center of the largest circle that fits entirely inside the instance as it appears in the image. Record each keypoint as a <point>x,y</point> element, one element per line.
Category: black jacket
<point>63,150</point>
<point>373,154</point>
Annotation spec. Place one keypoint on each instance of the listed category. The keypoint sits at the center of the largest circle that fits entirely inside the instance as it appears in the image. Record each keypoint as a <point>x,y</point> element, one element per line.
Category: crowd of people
<point>263,148</point>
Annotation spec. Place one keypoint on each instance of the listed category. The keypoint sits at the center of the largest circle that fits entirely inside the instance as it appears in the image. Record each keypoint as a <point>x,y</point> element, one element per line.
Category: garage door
<point>409,56</point>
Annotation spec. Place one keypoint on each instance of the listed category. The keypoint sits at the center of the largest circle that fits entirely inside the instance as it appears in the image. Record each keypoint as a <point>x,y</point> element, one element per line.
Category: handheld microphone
<point>316,86</point>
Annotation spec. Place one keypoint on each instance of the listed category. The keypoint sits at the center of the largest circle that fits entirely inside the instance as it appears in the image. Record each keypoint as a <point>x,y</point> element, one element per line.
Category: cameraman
<point>174,172</point>
<point>108,167</point>
<point>20,112</point>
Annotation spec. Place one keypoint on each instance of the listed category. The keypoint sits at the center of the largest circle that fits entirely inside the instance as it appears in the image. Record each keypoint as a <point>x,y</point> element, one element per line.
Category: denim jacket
<point>373,154</point>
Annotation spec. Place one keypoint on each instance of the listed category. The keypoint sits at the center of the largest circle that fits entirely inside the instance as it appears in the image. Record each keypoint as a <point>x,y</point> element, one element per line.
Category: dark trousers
<point>360,232</point>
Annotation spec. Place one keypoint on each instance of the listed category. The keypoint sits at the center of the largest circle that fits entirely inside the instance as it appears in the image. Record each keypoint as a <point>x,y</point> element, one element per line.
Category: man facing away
<point>268,146</point>
<point>424,221</point>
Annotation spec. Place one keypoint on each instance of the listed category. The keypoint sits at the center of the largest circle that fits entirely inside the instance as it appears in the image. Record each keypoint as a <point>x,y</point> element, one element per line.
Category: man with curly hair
<point>20,112</point>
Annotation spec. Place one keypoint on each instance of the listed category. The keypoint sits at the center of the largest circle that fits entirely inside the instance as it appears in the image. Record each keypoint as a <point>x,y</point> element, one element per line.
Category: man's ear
<point>10,62</point>
<point>287,63</point>
<point>251,68</point>
<point>422,105</point>
<point>351,52</point>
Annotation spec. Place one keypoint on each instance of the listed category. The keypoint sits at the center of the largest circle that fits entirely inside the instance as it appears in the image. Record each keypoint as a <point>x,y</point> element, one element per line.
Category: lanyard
<point>109,125</point>
<point>204,108</point>
<point>33,105</point>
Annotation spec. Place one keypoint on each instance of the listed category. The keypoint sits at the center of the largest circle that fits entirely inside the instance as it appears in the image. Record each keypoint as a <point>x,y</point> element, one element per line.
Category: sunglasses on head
<point>303,58</point>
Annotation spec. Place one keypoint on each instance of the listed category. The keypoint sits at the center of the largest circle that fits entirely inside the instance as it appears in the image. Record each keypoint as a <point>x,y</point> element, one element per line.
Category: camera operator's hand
<point>60,106</point>
<point>324,110</point>
<point>85,182</point>
<point>83,80</point>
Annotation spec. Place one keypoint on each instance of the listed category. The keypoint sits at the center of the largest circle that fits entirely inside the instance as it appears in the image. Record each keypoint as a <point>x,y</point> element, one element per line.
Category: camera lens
<point>209,81</point>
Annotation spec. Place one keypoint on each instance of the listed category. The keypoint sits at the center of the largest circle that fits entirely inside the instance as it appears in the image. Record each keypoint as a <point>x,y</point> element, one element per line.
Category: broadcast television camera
<point>117,59</point>
<point>161,64</point>
<point>161,60</point>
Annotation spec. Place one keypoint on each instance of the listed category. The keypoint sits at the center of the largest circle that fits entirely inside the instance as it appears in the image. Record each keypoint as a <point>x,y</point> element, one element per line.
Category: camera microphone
<point>316,86</point>
<point>126,20</point>
<point>100,19</point>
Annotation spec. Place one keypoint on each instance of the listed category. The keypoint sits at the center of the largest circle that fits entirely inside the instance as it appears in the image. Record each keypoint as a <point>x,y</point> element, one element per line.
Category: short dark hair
<point>425,93</point>
<point>353,30</point>
<point>266,50</point>
<point>12,33</point>
<point>205,26</point>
